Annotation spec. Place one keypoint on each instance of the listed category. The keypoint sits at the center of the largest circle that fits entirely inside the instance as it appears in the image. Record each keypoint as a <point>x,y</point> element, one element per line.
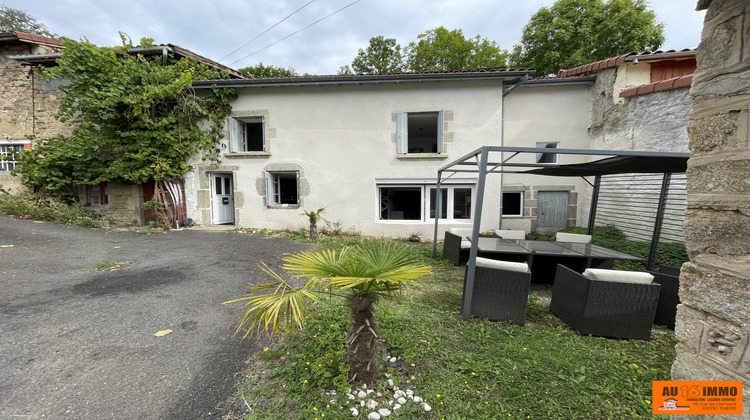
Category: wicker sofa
<point>615,309</point>
<point>500,292</point>
<point>456,245</point>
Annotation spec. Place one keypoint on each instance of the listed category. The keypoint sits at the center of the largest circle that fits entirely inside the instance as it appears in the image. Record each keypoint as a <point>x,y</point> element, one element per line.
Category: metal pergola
<point>600,163</point>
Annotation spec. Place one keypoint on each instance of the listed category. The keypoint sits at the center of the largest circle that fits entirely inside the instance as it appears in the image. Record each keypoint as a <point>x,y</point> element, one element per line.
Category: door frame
<point>212,193</point>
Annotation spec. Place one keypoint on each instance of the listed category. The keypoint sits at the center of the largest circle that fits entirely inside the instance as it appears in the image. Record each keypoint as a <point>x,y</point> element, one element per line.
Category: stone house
<point>367,147</point>
<point>29,104</point>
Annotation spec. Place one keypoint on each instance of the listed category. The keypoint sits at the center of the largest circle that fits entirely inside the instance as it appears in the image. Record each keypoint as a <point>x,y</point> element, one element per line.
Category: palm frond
<point>269,306</point>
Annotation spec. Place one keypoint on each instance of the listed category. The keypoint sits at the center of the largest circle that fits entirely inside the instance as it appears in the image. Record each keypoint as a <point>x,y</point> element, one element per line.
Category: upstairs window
<point>247,135</point>
<point>546,156</point>
<point>8,155</point>
<point>419,132</point>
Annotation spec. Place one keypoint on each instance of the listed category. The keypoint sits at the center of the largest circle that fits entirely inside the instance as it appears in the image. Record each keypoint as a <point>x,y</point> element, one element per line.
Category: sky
<point>219,29</point>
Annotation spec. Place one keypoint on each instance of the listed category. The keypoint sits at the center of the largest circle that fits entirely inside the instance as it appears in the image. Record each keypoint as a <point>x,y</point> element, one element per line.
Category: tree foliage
<point>436,50</point>
<point>133,119</point>
<point>382,56</point>
<point>574,32</point>
<point>441,49</point>
<point>18,20</point>
<point>260,70</point>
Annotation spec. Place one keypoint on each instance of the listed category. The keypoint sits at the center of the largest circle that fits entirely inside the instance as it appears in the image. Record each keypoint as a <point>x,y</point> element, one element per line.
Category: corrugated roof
<point>621,59</point>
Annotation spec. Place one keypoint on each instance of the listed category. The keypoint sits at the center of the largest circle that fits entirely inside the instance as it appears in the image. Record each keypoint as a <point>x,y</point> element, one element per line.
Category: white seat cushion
<point>572,237</point>
<point>462,232</point>
<point>502,265</point>
<point>465,244</point>
<point>510,234</point>
<point>618,275</point>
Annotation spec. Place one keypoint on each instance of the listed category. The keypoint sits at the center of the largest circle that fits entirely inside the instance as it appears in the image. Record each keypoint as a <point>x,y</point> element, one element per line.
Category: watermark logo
<point>697,397</point>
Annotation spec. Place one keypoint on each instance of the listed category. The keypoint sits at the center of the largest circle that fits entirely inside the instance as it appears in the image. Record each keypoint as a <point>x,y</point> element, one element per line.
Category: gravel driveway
<point>79,344</point>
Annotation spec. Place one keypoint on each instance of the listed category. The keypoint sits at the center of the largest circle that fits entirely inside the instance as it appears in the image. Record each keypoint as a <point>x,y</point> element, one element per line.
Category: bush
<point>48,208</point>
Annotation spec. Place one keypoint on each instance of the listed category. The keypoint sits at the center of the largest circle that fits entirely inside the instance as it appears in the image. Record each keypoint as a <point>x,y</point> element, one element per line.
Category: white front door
<point>222,199</point>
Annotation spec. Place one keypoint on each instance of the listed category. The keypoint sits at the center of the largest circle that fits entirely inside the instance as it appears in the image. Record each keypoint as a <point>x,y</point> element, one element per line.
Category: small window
<point>96,195</point>
<point>512,204</point>
<point>282,188</point>
<point>8,155</point>
<point>247,135</point>
<point>546,157</point>
<point>419,132</point>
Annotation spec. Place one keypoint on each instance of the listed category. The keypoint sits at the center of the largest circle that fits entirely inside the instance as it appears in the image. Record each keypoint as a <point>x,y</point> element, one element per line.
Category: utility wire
<point>296,32</point>
<point>261,34</point>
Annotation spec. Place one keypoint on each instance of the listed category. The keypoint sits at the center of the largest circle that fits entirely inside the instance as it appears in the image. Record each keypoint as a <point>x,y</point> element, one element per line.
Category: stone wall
<point>713,322</point>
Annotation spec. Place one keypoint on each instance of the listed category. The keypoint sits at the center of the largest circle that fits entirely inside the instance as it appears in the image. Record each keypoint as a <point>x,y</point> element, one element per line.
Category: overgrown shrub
<point>48,208</point>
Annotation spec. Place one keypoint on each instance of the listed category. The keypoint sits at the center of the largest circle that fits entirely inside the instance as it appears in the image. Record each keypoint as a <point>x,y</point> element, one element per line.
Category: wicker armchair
<point>669,298</point>
<point>455,246</point>
<point>604,308</point>
<point>499,294</point>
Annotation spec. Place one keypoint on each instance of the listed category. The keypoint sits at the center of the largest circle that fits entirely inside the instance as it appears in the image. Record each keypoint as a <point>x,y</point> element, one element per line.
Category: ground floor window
<point>282,188</point>
<point>512,204</point>
<point>96,195</point>
<point>418,202</point>
<point>8,155</point>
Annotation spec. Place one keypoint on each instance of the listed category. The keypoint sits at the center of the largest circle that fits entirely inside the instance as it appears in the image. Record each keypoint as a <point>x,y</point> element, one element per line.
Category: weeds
<point>47,208</point>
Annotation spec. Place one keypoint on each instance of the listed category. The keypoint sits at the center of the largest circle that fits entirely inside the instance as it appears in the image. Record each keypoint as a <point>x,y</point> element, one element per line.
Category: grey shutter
<point>402,132</point>
<point>234,135</point>
<point>440,129</point>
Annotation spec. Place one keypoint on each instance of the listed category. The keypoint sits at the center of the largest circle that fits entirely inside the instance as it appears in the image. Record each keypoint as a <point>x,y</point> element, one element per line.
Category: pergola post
<point>438,207</point>
<point>594,204</point>
<point>658,221</point>
<point>471,264</point>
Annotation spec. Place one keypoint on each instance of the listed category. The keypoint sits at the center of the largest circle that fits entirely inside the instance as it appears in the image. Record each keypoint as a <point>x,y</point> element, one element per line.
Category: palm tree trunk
<point>363,339</point>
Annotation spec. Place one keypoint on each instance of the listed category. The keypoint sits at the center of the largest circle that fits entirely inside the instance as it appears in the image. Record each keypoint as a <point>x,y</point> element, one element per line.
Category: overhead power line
<point>294,33</point>
<point>261,34</point>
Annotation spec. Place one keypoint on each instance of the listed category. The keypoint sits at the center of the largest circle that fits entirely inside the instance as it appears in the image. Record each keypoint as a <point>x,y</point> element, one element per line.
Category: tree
<point>268,71</point>
<point>18,20</point>
<point>364,272</point>
<point>575,32</point>
<point>439,49</point>
<point>314,217</point>
<point>134,120</point>
<point>382,56</point>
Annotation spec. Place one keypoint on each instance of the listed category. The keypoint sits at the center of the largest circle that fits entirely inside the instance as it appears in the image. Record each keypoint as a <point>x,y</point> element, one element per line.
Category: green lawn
<point>463,370</point>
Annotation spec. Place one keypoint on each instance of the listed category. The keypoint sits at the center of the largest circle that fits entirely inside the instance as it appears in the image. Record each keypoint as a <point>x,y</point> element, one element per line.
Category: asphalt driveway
<point>80,344</point>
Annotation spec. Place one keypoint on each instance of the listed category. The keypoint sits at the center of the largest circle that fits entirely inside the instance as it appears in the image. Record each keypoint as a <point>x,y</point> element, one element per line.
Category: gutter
<point>32,59</point>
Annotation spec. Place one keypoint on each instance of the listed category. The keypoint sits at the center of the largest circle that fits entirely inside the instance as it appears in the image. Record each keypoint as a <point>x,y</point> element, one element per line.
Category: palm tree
<point>365,272</point>
<point>314,217</point>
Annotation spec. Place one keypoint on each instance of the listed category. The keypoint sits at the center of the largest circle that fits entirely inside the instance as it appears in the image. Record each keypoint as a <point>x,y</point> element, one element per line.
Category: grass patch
<point>42,207</point>
<point>464,370</point>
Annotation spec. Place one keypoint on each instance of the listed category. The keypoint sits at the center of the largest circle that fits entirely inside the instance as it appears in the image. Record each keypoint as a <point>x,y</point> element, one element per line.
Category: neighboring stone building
<point>27,103</point>
<point>713,322</point>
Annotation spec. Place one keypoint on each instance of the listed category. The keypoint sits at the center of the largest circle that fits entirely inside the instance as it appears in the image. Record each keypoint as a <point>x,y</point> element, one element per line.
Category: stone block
<point>725,233</point>
<point>716,291</point>
<point>204,199</point>
<point>719,175</point>
<point>689,327</point>
<point>718,131</point>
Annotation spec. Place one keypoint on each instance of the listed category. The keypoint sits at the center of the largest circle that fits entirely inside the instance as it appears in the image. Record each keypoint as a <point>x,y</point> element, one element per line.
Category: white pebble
<point>401,400</point>
<point>362,404</point>
<point>409,392</point>
<point>426,407</point>
<point>390,383</point>
<point>372,404</point>
<point>373,416</point>
<point>361,394</point>
<point>332,402</point>
<point>416,399</point>
<point>378,394</point>
<point>392,360</point>
<point>399,393</point>
<point>396,406</point>
<point>351,396</point>
<point>384,412</point>
<point>354,411</point>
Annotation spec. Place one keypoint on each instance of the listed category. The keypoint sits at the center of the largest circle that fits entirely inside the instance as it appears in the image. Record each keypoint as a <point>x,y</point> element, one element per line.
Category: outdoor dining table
<point>543,256</point>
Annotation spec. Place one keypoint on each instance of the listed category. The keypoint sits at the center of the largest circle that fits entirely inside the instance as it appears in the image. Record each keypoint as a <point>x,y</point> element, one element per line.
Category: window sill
<point>283,206</point>
<point>422,156</point>
<point>246,155</point>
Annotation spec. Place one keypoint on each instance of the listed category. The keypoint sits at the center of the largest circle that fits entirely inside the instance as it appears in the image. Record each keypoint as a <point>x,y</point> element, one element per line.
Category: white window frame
<point>425,187</point>
<point>5,150</point>
<point>547,146</point>
<point>521,198</point>
<point>238,142</point>
<point>273,188</point>
<point>451,202</point>
<point>402,132</point>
